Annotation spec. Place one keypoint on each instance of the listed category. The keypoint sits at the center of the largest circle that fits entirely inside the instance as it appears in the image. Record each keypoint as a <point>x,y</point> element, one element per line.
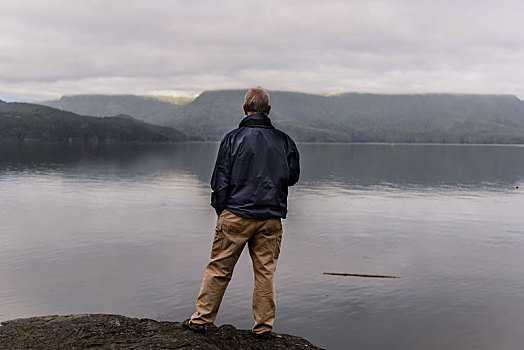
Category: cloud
<point>58,47</point>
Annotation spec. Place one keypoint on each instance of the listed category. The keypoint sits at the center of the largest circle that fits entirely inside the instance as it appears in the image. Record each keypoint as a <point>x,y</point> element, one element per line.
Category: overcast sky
<point>55,47</point>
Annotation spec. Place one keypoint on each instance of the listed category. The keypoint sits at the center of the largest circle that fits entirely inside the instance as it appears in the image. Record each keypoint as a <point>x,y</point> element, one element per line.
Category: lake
<point>128,230</point>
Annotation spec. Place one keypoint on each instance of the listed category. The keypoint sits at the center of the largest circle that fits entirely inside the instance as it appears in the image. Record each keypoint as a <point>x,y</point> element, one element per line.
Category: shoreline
<point>108,331</point>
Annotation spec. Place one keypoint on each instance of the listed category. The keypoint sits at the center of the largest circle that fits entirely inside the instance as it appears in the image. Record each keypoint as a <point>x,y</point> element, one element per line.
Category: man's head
<point>256,101</point>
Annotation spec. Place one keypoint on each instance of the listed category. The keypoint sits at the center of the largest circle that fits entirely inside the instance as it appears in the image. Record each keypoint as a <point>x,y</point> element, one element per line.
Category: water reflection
<point>125,162</point>
<point>325,165</point>
<point>350,165</point>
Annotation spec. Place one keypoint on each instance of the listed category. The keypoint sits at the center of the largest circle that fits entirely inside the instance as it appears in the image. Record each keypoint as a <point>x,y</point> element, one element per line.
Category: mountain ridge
<point>26,122</point>
<point>357,116</point>
<point>148,108</point>
<point>364,117</point>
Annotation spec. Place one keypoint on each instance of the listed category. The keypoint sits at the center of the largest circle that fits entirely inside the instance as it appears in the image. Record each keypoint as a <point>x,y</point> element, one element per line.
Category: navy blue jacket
<point>255,165</point>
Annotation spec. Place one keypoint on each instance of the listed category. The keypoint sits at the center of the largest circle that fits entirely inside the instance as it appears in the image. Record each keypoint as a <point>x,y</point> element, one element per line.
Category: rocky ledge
<point>120,332</point>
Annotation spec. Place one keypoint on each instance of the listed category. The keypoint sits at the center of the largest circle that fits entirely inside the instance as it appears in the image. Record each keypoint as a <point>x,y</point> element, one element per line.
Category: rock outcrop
<point>100,331</point>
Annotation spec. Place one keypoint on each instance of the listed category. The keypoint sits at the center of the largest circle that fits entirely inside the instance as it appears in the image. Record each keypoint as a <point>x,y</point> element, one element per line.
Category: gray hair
<point>256,100</point>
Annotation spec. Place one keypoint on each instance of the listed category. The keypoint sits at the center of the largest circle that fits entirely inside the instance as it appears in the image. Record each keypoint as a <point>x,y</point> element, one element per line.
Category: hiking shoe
<point>197,328</point>
<point>263,335</point>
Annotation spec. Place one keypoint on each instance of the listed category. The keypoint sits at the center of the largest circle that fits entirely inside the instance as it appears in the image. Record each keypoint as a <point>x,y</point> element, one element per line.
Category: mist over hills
<point>27,122</point>
<point>347,117</point>
<point>151,109</point>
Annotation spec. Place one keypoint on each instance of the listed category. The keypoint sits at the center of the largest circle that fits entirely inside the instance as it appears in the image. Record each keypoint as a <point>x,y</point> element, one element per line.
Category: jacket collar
<point>258,120</point>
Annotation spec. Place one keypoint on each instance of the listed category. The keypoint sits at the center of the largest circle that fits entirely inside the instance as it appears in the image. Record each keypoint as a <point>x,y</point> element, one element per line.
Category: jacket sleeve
<point>293,161</point>
<point>221,176</point>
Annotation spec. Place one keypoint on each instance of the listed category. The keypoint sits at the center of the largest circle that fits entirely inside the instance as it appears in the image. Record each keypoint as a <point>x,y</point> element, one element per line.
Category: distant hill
<point>354,117</point>
<point>24,121</point>
<point>348,117</point>
<point>151,109</point>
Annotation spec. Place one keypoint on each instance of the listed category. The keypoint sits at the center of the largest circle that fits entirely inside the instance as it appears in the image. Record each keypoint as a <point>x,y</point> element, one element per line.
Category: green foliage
<point>23,121</point>
<point>349,117</point>
<point>431,118</point>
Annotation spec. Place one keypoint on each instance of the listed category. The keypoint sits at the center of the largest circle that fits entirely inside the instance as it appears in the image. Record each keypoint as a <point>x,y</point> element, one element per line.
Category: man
<point>255,165</point>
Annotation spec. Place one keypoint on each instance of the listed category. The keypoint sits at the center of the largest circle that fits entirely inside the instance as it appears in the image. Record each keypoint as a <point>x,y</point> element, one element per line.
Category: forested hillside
<point>443,118</point>
<point>349,117</point>
<point>151,109</point>
<point>24,122</point>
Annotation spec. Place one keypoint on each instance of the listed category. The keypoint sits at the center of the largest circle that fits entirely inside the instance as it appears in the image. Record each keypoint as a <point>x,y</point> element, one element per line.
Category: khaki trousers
<point>232,232</point>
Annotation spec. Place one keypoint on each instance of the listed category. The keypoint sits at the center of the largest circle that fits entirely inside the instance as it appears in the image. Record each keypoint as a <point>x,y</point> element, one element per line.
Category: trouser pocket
<point>276,250</point>
<point>273,233</point>
<point>218,242</point>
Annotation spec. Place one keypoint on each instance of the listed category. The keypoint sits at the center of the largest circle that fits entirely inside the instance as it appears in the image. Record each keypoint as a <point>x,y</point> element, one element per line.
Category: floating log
<point>358,275</point>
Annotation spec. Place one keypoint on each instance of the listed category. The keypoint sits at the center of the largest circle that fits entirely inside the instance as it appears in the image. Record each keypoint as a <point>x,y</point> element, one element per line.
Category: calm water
<point>128,230</point>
